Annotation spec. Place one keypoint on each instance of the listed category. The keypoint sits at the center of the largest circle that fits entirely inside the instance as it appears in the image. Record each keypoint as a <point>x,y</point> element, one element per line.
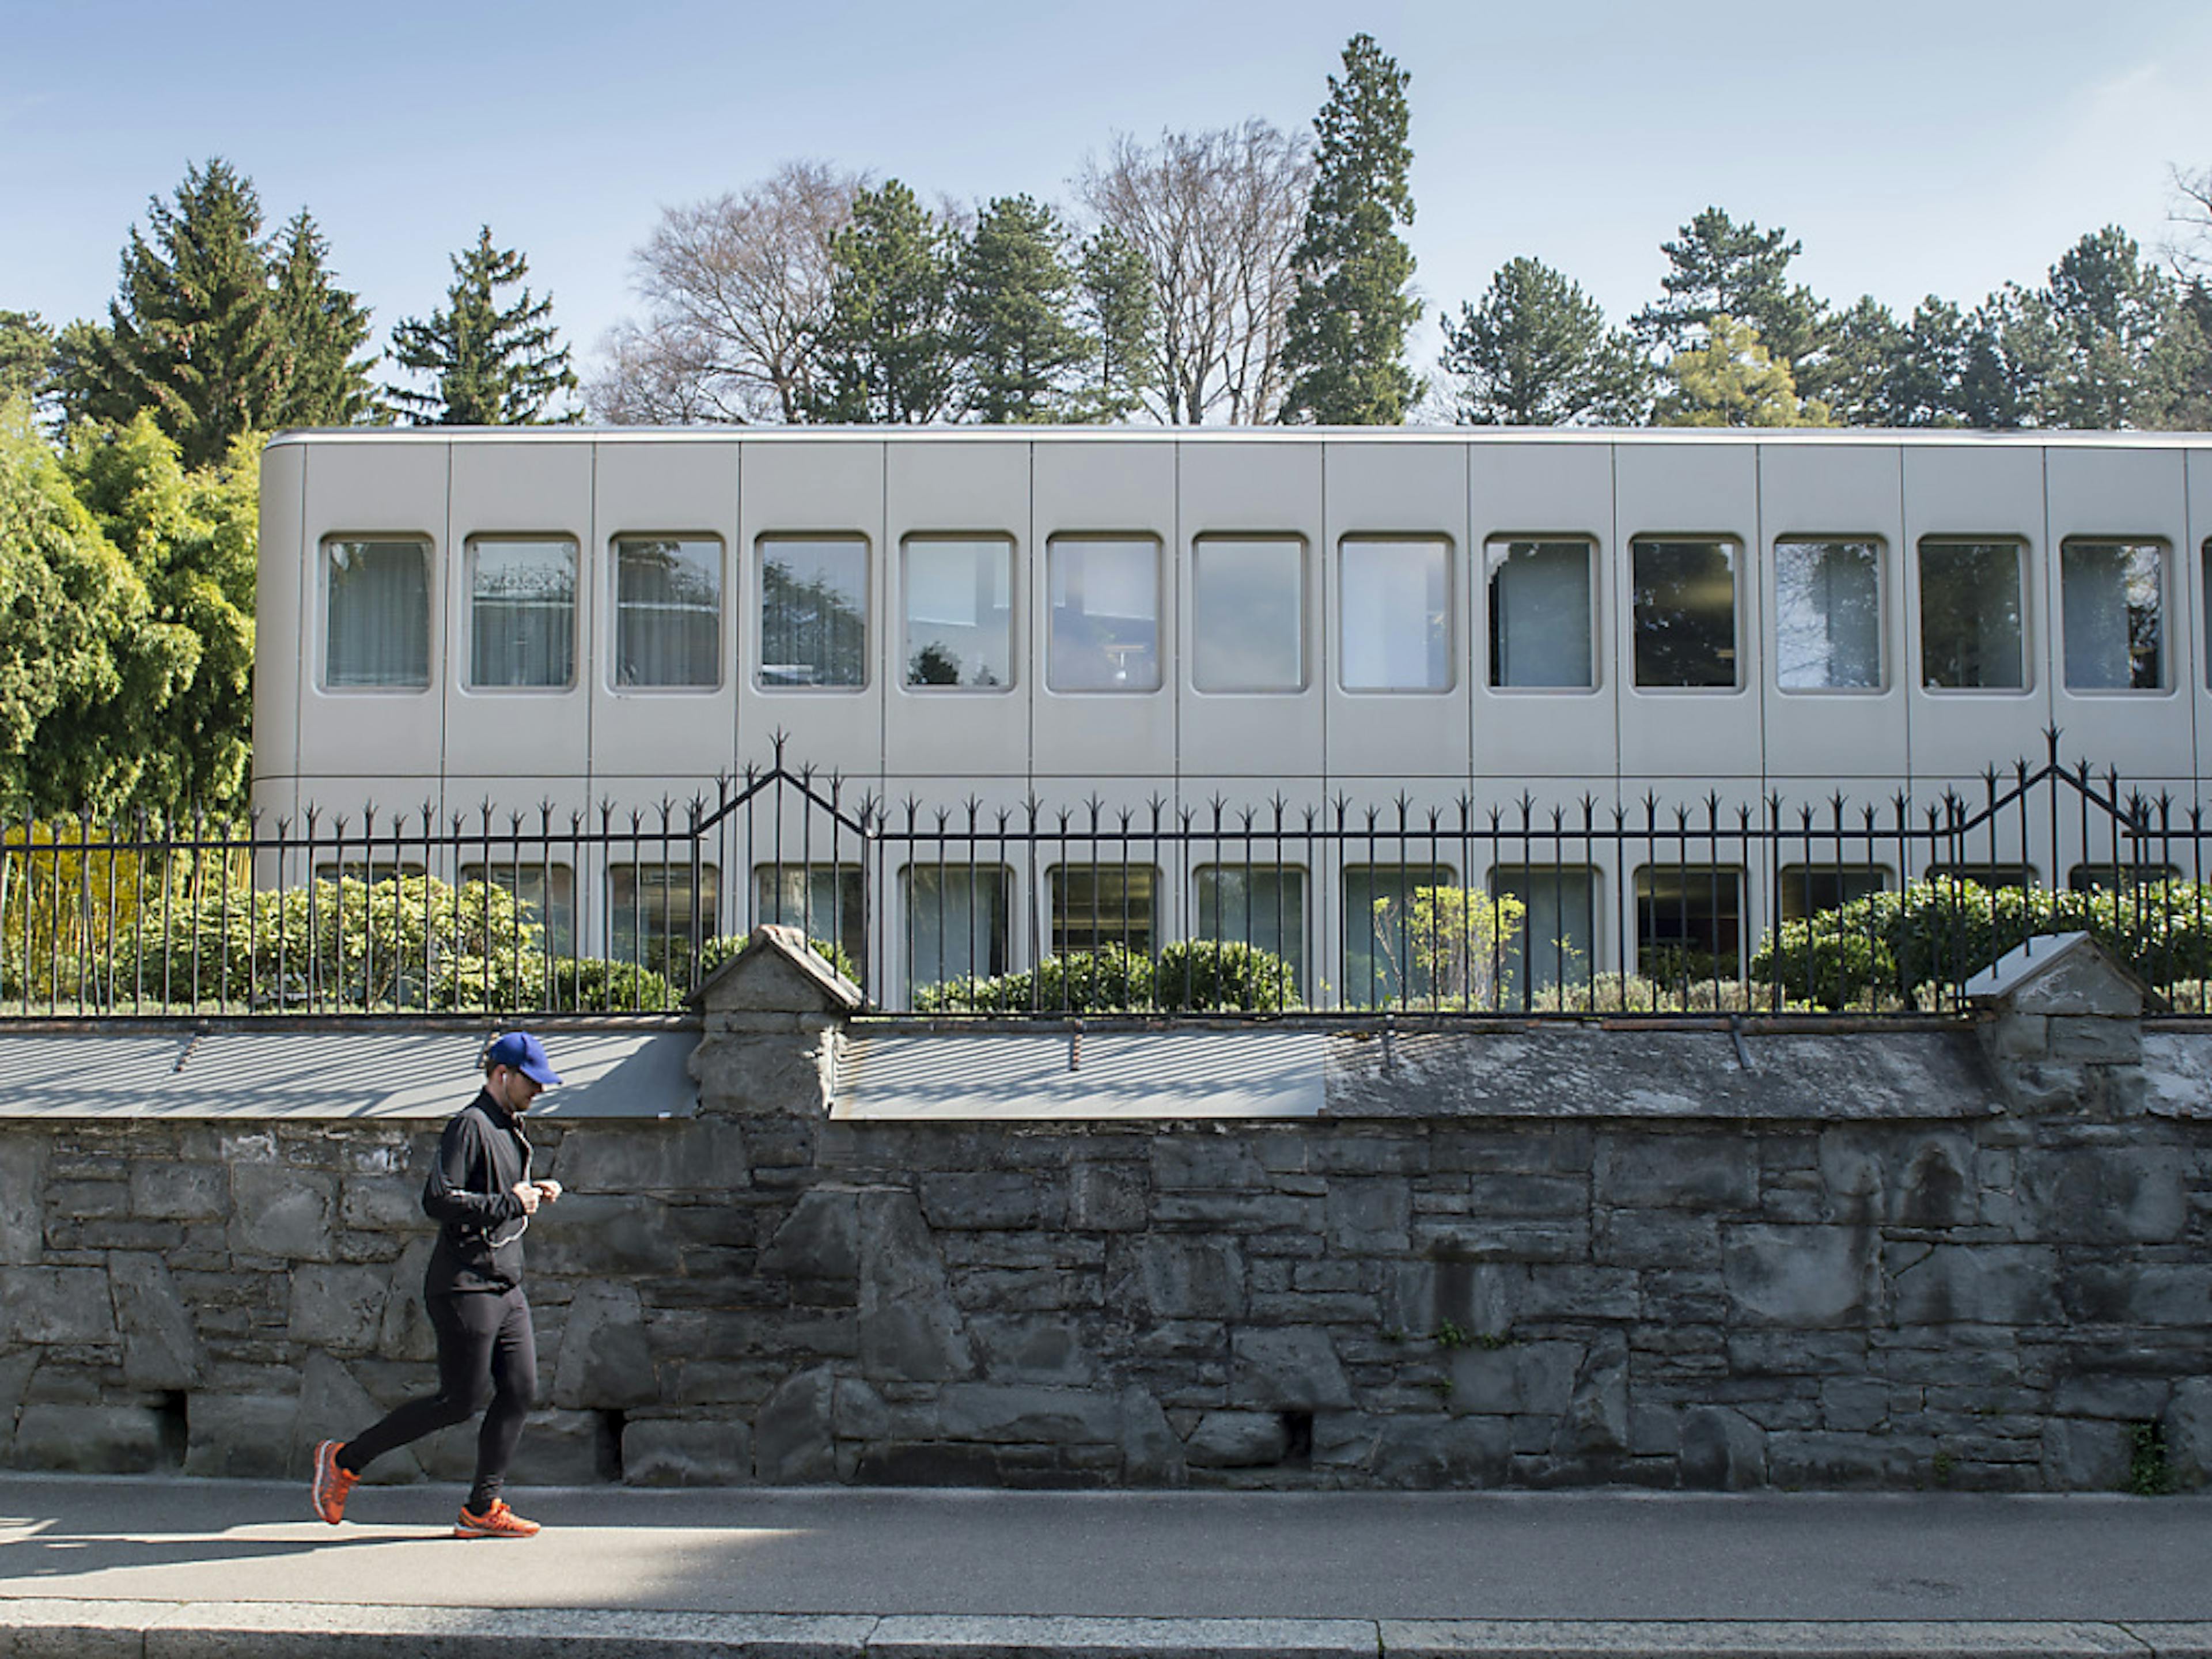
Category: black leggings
<point>487,1362</point>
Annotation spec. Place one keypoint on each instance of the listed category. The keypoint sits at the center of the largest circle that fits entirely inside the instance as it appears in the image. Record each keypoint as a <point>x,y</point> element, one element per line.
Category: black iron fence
<point>1520,907</point>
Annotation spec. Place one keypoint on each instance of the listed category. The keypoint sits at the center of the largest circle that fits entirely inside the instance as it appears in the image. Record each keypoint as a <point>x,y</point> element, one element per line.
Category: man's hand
<point>528,1192</point>
<point>548,1190</point>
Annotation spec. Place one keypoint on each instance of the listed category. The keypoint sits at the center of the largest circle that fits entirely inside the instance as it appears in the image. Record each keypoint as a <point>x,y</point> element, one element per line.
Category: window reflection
<point>960,619</point>
<point>1395,622</point>
<point>1827,615</point>
<point>814,612</point>
<point>2110,593</point>
<point>1105,599</point>
<point>1971,616</point>
<point>1685,612</point>
<point>1540,614</point>
<point>668,612</point>
<point>1248,599</point>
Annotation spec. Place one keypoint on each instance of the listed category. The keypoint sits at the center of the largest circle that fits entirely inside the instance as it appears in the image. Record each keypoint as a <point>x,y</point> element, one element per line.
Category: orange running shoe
<point>332,1484</point>
<point>496,1521</point>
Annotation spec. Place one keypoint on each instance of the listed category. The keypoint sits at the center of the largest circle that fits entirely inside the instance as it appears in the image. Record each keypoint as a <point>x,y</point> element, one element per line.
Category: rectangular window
<point>1247,613</point>
<point>827,900</point>
<point>522,612</point>
<point>1556,942</point>
<point>2109,596</point>
<point>1685,612</point>
<point>1257,904</point>
<point>651,910</point>
<point>1827,615</point>
<point>1395,619</point>
<point>1540,627</point>
<point>545,892</point>
<point>814,611</point>
<point>668,612</point>
<point>1972,625</point>
<point>1105,599</point>
<point>1386,959</point>
<point>956,922</point>
<point>1988,876</point>
<point>1807,890</point>
<point>376,597</point>
<point>959,611</point>
<point>1689,922</point>
<point>1096,904</point>
<point>2118,878</point>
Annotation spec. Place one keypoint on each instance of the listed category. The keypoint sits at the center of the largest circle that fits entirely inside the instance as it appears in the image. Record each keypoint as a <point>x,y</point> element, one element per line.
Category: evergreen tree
<point>193,332</point>
<point>1538,352</point>
<point>1718,267</point>
<point>1926,385</point>
<point>2107,308</point>
<point>887,349</point>
<point>489,364</point>
<point>321,327</point>
<point>1345,343</point>
<point>1732,380</point>
<point>1013,295</point>
<point>1866,349</point>
<point>1116,295</point>
<point>27,356</point>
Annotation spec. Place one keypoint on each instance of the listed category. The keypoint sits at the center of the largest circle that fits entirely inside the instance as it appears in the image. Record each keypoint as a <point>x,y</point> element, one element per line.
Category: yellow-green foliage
<point>1449,946</point>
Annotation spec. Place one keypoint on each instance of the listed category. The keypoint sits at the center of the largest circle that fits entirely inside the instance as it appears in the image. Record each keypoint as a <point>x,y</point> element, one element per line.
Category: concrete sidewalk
<point>173,1569</point>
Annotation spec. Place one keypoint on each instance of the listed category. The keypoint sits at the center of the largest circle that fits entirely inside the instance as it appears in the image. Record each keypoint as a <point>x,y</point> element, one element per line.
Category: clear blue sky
<point>1914,148</point>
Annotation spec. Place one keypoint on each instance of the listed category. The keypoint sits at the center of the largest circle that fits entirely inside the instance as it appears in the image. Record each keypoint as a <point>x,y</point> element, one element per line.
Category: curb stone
<point>53,1628</point>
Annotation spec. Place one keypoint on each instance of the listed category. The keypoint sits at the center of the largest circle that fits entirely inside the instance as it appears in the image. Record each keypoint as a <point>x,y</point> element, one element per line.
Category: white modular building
<point>1195,621</point>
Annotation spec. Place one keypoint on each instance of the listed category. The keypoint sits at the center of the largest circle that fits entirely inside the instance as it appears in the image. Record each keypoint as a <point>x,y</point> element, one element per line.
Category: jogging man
<point>481,1194</point>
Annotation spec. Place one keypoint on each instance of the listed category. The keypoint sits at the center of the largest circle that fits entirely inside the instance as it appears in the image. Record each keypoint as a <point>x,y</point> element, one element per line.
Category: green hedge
<point>1190,973</point>
<point>1883,949</point>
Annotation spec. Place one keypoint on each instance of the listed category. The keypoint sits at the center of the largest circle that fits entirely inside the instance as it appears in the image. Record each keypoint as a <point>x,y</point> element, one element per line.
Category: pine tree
<point>27,356</point>
<point>321,327</point>
<point>1731,379</point>
<point>1345,345</point>
<point>1718,267</point>
<point>193,332</point>
<point>489,364</point>
<point>1116,287</point>
<point>1538,352</point>
<point>1012,295</point>
<point>887,348</point>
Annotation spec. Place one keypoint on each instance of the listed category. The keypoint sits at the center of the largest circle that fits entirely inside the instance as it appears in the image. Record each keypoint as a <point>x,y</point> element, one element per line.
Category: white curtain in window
<point>1827,615</point>
<point>1105,599</point>
<point>668,612</point>
<point>377,599</point>
<point>955,923</point>
<point>1247,614</point>
<point>1396,631</point>
<point>959,618</point>
<point>1540,614</point>
<point>2110,593</point>
<point>522,612</point>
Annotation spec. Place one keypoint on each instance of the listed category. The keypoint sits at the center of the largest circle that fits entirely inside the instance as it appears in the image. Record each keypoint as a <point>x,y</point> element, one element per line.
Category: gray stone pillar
<point>2062,1024</point>
<point>775,1021</point>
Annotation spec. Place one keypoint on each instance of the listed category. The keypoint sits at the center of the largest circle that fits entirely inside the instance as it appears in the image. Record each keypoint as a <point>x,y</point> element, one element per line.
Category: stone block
<point>1973,1284</point>
<point>1206,1161</point>
<point>1236,1440</point>
<point>2188,1424</point>
<point>88,1439</point>
<point>340,1308</point>
<point>1014,1414</point>
<point>1853,1405</point>
<point>707,1154</point>
<point>2086,1455</point>
<point>1107,1198</point>
<point>1520,1379</point>
<point>1805,1277</point>
<point>1294,1369</point>
<point>563,1449</point>
<point>857,1411</point>
<point>662,1451</point>
<point>164,1189</point>
<point>793,1436</point>
<point>2103,1193</point>
<point>22,1169</point>
<point>2015,1035</point>
<point>910,1330</point>
<point>334,1405</point>
<point>819,1239</point>
<point>1192,1277</point>
<point>1655,1430</point>
<point>765,1074</point>
<point>2123,1396</point>
<point>1031,1348</point>
<point>1152,1454</point>
<point>279,1210</point>
<point>382,1203</point>
<point>979,1200</point>
<point>2099,1041</point>
<point>56,1304</point>
<point>160,1344</point>
<point>241,1436</point>
<point>1441,1452</point>
<point>592,1235</point>
<point>1822,1459</point>
<point>2161,1294</point>
<point>405,1331</point>
<point>1686,1172</point>
<point>2080,980</point>
<point>604,1360</point>
<point>1597,1417</point>
<point>1722,1451</point>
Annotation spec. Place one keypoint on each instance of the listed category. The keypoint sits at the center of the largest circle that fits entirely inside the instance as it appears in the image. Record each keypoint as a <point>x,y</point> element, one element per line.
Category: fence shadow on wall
<point>1517,908</point>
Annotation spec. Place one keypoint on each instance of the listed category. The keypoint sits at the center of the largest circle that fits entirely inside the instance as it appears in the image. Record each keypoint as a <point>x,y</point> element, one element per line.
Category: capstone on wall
<point>1983,1264</point>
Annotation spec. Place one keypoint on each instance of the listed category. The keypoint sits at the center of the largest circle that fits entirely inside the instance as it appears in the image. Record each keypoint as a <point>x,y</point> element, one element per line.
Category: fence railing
<point>1517,907</point>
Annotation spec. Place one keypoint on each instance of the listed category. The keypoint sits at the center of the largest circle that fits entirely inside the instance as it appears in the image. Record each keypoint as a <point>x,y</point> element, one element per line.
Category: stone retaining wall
<point>2005,1285</point>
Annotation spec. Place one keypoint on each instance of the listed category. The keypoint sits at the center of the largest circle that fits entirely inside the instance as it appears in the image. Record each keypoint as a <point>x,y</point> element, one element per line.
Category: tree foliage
<point>1538,352</point>
<point>1344,340</point>
<point>488,364</point>
<point>736,292</point>
<point>27,357</point>
<point>1115,292</point>
<point>887,344</point>
<point>1214,216</point>
<point>1716,267</point>
<point>1013,303</point>
<point>320,328</point>
<point>1731,379</point>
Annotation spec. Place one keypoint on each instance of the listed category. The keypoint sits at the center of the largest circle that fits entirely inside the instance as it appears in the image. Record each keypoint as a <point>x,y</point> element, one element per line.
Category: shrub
<point>1223,973</point>
<point>591,985</point>
<point>1111,978</point>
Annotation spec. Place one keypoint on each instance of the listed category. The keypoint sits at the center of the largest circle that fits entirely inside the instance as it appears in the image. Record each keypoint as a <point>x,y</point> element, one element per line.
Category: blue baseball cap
<point>519,1051</point>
